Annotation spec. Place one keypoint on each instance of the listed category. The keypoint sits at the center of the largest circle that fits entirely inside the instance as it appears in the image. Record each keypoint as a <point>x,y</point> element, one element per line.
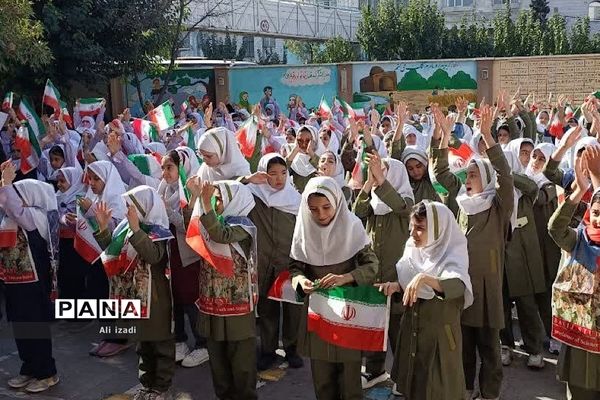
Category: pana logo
<point>348,313</point>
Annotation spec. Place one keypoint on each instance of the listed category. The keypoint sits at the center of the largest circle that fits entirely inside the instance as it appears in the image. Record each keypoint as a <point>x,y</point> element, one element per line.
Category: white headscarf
<point>581,144</point>
<point>480,202</point>
<point>301,162</point>
<point>421,142</point>
<point>100,151</point>
<point>237,198</point>
<point>380,147</point>
<point>414,153</point>
<point>337,242</point>
<point>474,143</point>
<point>286,199</point>
<point>515,165</point>
<point>113,188</point>
<point>157,147</point>
<point>539,178</point>
<point>148,204</point>
<point>445,255</point>
<point>73,176</point>
<point>514,147</point>
<point>232,163</point>
<point>395,173</point>
<point>191,165</point>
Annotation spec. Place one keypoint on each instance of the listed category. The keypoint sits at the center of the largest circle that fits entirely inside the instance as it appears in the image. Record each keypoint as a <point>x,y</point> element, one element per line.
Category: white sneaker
<point>195,358</point>
<point>506,355</point>
<point>535,361</point>
<point>368,380</point>
<point>471,395</point>
<point>181,350</point>
<point>395,391</point>
<point>554,347</point>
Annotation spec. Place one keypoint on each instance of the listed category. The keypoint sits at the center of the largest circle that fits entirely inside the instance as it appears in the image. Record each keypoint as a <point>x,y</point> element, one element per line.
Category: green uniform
<point>156,346</point>
<point>335,370</point>
<point>486,234</point>
<point>524,272</point>
<point>579,368</point>
<point>556,175</point>
<point>300,181</point>
<point>544,207</point>
<point>275,230</point>
<point>428,360</point>
<point>231,340</point>
<point>424,190</point>
<point>388,234</point>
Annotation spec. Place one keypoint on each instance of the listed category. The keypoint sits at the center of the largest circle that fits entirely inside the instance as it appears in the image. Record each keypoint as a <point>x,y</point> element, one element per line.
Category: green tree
<point>307,51</point>
<point>504,33</point>
<point>22,42</point>
<point>423,30</point>
<point>336,50</point>
<point>527,35</point>
<point>267,57</point>
<point>556,35</point>
<point>217,48</point>
<point>540,10</point>
<point>580,41</point>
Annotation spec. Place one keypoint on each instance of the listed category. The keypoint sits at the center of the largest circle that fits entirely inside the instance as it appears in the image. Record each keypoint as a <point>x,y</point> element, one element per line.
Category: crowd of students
<point>456,214</point>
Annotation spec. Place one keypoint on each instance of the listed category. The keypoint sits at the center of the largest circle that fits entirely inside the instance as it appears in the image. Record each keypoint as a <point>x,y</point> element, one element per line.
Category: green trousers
<point>233,368</point>
<point>268,323</point>
<point>375,361</point>
<point>530,323</point>
<point>156,364</point>
<point>486,342</point>
<point>576,393</point>
<point>336,381</point>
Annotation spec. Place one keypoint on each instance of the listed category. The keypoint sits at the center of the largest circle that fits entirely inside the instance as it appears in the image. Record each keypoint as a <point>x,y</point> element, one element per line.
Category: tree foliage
<point>334,50</point>
<point>216,48</point>
<point>540,10</point>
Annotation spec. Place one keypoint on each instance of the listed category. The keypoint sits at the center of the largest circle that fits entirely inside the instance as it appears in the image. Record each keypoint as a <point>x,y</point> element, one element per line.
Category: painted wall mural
<point>308,82</point>
<point>417,82</point>
<point>186,83</point>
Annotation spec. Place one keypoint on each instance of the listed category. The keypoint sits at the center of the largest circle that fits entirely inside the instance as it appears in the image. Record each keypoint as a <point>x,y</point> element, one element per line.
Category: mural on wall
<point>186,84</point>
<point>310,83</point>
<point>418,83</point>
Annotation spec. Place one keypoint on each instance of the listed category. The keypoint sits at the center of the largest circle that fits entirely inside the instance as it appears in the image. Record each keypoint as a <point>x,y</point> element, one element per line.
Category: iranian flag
<point>184,106</point>
<point>556,126</point>
<point>352,113</point>
<point>162,116</point>
<point>26,112</point>
<point>119,255</point>
<point>8,101</point>
<point>8,232</point>
<point>65,113</point>
<point>282,289</point>
<point>324,109</point>
<point>353,317</point>
<point>85,244</point>
<point>90,106</point>
<point>26,142</point>
<point>459,155</point>
<point>359,171</point>
<point>144,130</point>
<point>51,96</point>
<point>246,137</point>
<point>147,164</point>
<point>191,138</point>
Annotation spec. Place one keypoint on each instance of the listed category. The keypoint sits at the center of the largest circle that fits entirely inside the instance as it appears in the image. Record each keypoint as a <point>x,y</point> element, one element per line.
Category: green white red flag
<point>65,113</point>
<point>145,131</point>
<point>26,112</point>
<point>90,106</point>
<point>246,137</point>
<point>147,164</point>
<point>352,113</point>
<point>282,289</point>
<point>324,109</point>
<point>85,244</point>
<point>26,142</point>
<point>51,96</point>
<point>162,116</point>
<point>353,317</point>
<point>8,101</point>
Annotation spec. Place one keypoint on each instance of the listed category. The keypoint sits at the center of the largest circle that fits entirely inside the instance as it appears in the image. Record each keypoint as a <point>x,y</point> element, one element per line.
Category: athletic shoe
<point>535,361</point>
<point>395,391</point>
<point>369,380</point>
<point>181,350</point>
<point>20,381</point>
<point>293,359</point>
<point>41,385</point>
<point>554,347</point>
<point>506,355</point>
<point>266,361</point>
<point>195,358</point>
<point>112,349</point>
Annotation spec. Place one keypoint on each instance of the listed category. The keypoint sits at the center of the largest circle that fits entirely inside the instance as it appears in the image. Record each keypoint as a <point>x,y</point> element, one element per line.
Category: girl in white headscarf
<point>330,246</point>
<point>523,266</point>
<point>304,158</point>
<point>141,273</point>
<point>28,253</point>
<point>222,158</point>
<point>545,205</point>
<point>277,204</point>
<point>417,162</point>
<point>330,164</point>
<point>222,234</point>
<point>177,165</point>
<point>384,203</point>
<point>71,267</point>
<point>434,281</point>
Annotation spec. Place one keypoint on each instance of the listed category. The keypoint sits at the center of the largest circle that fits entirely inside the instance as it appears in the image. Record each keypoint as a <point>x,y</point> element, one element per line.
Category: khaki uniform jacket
<point>544,207</point>
<point>428,363</point>
<point>577,367</point>
<point>363,267</point>
<point>486,234</point>
<point>523,263</point>
<point>158,326</point>
<point>275,231</point>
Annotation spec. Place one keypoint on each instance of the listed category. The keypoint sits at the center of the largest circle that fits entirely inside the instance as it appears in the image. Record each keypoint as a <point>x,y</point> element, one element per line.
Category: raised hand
<point>103,214</point>
<point>133,218</point>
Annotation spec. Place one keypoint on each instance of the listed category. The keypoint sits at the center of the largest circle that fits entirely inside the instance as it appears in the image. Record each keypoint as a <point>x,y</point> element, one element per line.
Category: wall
<point>309,82</point>
<point>574,76</point>
<point>185,83</point>
<point>417,82</point>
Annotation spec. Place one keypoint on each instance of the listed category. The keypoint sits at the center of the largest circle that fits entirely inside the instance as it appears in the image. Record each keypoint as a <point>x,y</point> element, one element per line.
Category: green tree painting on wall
<point>440,80</point>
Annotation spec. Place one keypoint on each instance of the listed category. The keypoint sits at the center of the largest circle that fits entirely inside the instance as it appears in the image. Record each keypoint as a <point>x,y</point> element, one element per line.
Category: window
<point>268,43</point>
<point>459,3</point>
<point>248,46</point>
<point>501,2</point>
<point>594,11</point>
